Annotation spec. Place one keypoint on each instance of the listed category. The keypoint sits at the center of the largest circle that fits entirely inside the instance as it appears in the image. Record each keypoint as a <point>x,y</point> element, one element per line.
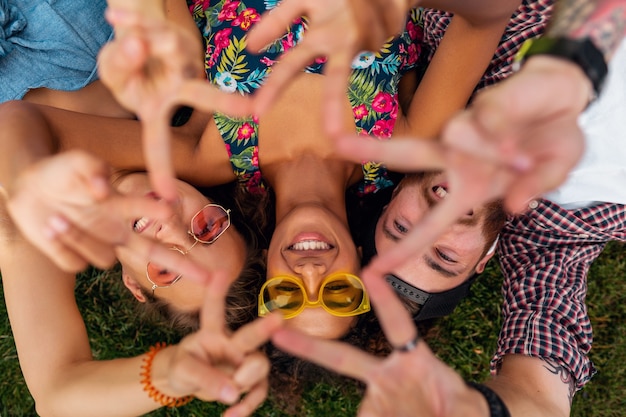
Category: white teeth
<point>310,245</point>
<point>140,224</point>
<point>440,191</point>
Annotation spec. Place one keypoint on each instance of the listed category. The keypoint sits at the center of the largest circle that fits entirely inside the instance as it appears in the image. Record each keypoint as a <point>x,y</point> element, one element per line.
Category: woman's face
<point>311,243</point>
<point>226,254</point>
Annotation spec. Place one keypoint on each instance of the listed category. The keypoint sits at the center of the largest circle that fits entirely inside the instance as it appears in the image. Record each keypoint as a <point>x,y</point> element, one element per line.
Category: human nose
<point>173,232</point>
<point>312,275</point>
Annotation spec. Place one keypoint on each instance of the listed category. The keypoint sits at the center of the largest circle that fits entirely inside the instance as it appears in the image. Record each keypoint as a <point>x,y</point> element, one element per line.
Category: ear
<point>483,262</point>
<point>133,286</point>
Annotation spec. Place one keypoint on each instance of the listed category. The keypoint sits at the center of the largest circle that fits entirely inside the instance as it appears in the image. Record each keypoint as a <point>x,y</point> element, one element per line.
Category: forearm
<point>603,21</point>
<point>52,342</point>
<point>533,387</point>
<point>476,11</point>
<point>456,68</point>
<point>105,388</point>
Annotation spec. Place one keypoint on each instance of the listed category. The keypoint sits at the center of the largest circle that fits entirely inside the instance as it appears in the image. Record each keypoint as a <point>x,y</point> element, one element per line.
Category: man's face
<point>455,255</point>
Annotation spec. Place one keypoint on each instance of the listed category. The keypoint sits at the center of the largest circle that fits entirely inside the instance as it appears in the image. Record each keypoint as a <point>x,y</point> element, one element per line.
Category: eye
<point>445,257</point>
<point>400,228</point>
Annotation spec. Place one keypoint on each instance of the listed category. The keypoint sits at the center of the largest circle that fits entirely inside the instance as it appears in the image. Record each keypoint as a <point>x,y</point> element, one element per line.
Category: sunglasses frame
<point>364,307</point>
<point>196,241</point>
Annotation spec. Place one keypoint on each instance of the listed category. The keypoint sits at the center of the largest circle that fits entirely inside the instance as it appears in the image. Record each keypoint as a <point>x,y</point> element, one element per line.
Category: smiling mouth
<point>140,225</point>
<point>310,245</point>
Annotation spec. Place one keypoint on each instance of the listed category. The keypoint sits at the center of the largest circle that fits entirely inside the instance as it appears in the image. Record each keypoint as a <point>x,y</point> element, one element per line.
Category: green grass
<point>464,340</point>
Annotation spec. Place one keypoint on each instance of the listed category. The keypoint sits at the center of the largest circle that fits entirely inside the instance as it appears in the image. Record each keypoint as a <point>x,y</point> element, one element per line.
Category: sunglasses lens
<point>284,295</point>
<point>209,223</point>
<point>343,294</point>
<point>161,276</point>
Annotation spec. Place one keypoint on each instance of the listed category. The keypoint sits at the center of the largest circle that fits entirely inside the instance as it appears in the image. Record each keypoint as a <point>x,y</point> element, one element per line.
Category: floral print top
<point>372,91</point>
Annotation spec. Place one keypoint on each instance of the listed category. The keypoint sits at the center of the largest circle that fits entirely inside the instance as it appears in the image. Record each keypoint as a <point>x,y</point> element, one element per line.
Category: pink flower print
<point>360,111</point>
<point>245,131</point>
<point>321,60</point>
<point>383,102</point>
<point>228,149</point>
<point>267,61</point>
<point>412,54</point>
<point>416,32</point>
<point>255,119</point>
<point>288,42</point>
<point>383,128</point>
<point>246,18</point>
<point>229,11</point>
<point>393,114</point>
<point>255,157</point>
<point>222,39</point>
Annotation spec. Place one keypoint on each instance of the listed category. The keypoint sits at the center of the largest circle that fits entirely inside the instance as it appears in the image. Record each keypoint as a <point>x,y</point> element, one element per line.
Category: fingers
<point>252,371</point>
<point>337,71</point>
<point>290,64</point>
<point>273,24</point>
<point>81,247</point>
<point>206,97</point>
<point>143,250</point>
<point>250,402</point>
<point>58,251</point>
<point>253,335</point>
<point>207,383</point>
<point>213,307</point>
<point>403,155</point>
<point>337,356</point>
<point>432,225</point>
<point>157,151</point>
<point>92,172</point>
<point>393,316</point>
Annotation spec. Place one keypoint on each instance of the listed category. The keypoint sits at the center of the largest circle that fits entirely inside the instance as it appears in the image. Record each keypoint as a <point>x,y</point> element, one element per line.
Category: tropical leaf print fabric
<point>372,91</point>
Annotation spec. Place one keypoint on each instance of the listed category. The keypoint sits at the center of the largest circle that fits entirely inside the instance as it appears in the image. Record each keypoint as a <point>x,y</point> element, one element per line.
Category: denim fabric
<point>49,43</point>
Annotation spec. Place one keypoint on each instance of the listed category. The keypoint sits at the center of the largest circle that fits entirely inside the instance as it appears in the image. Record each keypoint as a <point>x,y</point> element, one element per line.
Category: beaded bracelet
<point>497,408</point>
<point>146,381</point>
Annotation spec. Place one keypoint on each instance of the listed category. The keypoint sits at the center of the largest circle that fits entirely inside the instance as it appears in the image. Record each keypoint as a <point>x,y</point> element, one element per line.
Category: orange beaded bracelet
<point>146,381</point>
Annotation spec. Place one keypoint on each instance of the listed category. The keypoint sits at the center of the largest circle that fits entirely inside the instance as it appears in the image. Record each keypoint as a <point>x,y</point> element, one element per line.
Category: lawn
<point>465,340</point>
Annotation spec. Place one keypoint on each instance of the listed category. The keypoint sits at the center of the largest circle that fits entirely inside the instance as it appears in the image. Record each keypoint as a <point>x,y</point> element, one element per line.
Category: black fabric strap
<point>497,408</point>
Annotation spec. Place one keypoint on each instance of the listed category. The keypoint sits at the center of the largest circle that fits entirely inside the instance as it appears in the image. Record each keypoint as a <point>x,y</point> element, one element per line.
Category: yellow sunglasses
<point>342,295</point>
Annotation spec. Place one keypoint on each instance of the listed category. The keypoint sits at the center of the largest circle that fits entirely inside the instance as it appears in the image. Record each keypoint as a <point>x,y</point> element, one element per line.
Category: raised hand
<point>338,30</point>
<point>65,206</point>
<point>527,122</point>
<point>213,364</point>
<point>409,382</point>
<point>152,68</point>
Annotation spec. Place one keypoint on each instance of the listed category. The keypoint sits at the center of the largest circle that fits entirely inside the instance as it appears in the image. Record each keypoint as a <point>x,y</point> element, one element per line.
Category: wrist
<point>569,76</point>
<point>154,377</point>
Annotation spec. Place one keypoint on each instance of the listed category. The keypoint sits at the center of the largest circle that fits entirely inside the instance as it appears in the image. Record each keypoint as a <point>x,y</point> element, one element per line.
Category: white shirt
<point>600,176</point>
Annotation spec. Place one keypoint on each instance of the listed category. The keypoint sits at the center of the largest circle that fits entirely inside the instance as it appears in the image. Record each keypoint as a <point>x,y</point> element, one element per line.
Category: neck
<point>310,179</point>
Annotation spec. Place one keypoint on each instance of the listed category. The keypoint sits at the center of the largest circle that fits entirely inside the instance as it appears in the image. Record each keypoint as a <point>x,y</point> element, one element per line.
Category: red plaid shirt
<point>527,22</point>
<point>545,256</point>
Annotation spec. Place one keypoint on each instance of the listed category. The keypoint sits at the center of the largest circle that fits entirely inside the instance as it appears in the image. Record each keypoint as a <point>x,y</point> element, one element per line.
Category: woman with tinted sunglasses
<point>67,381</point>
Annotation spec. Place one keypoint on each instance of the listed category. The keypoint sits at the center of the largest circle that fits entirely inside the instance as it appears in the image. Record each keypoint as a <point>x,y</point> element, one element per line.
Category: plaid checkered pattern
<point>545,256</point>
<point>527,22</point>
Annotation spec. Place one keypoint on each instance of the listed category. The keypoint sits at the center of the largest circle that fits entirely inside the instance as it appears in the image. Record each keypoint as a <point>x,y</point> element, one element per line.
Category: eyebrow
<point>438,268</point>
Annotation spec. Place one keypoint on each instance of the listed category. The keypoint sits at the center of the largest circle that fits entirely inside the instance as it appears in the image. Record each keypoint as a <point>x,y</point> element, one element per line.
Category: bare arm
<point>62,378</point>
<point>455,70</point>
<point>534,387</point>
